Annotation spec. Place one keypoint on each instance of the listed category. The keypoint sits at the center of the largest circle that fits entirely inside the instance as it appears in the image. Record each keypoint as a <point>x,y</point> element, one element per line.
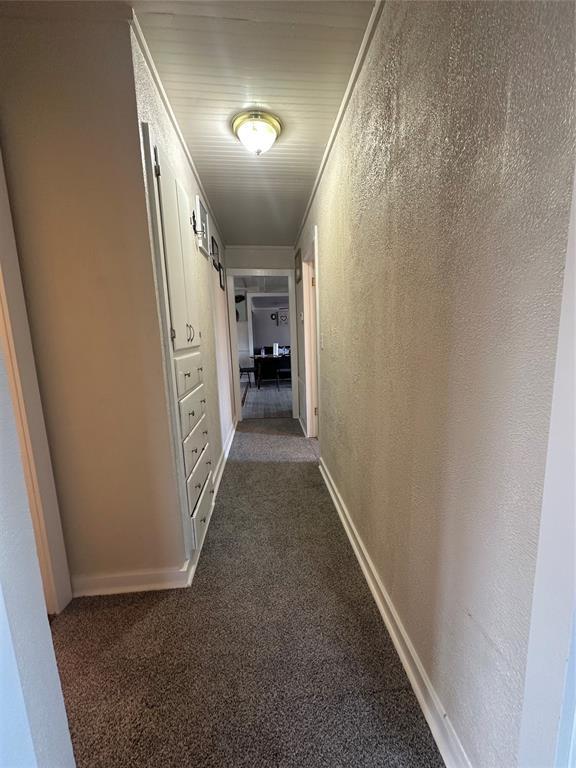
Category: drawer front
<point>194,445</point>
<point>188,372</point>
<point>192,408</point>
<point>198,477</point>
<point>199,520</point>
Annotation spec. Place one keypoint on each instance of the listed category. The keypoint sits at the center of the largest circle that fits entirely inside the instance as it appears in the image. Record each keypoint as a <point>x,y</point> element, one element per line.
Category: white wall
<point>266,331</point>
<point>443,212</point>
<point>33,724</point>
<point>547,688</point>
<point>260,256</point>
<point>70,138</point>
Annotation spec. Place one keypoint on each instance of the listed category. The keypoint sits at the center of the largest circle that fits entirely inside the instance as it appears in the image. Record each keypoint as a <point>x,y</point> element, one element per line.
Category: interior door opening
<point>262,329</point>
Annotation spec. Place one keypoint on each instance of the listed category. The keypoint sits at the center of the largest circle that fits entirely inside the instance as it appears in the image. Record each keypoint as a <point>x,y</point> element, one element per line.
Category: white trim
<point>365,44</point>
<point>141,40</point>
<point>156,578</point>
<point>134,581</point>
<point>442,729</point>
<point>16,343</point>
<point>219,470</point>
<point>247,272</point>
<point>311,334</point>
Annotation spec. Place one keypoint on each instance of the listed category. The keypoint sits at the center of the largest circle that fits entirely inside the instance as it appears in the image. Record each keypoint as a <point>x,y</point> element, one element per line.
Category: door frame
<point>234,353</point>
<point>311,335</point>
<point>16,346</point>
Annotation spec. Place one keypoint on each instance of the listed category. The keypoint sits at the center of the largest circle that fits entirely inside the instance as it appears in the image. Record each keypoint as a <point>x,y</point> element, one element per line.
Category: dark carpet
<point>276,656</point>
<point>268,402</point>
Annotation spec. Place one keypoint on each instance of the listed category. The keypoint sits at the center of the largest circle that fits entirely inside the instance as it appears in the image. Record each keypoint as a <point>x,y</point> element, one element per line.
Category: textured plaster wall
<point>443,215</point>
<point>212,300</point>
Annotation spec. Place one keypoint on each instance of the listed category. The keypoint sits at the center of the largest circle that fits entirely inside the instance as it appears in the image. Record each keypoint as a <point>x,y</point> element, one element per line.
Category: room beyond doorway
<point>264,358</point>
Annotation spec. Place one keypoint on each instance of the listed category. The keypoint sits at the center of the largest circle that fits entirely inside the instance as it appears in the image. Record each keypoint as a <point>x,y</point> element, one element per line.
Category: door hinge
<point>172,334</point>
<point>316,411</point>
<point>157,170</point>
<point>313,282</point>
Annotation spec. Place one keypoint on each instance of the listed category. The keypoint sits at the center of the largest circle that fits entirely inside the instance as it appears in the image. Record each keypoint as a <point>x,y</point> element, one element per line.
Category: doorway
<point>309,337</point>
<point>263,343</point>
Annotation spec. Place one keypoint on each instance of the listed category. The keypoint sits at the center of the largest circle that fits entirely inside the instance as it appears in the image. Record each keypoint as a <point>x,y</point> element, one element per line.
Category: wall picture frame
<point>200,223</point>
<point>215,253</point>
<point>298,266</point>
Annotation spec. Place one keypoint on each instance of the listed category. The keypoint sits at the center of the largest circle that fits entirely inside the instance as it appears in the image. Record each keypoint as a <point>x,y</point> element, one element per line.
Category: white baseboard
<point>153,579</point>
<point>134,581</point>
<point>223,458</point>
<point>442,729</point>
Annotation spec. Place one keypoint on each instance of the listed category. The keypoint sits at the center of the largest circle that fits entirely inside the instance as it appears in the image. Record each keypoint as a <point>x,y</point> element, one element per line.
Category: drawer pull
<point>205,432</point>
<point>190,413</point>
<point>198,485</point>
<point>187,375</point>
<point>203,520</point>
<point>212,491</point>
<point>194,450</point>
<point>203,401</point>
<point>200,370</point>
<point>208,462</point>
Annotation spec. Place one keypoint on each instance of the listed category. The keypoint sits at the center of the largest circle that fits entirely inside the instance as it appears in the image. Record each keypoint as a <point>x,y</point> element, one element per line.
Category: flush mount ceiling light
<point>256,130</point>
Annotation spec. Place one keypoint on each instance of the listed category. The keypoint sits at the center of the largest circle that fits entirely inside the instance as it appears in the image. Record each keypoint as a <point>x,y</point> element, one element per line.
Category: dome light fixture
<point>256,130</point>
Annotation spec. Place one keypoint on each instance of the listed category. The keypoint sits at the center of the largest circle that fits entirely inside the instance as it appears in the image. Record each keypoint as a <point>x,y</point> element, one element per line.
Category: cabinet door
<point>173,256</point>
<point>188,254</point>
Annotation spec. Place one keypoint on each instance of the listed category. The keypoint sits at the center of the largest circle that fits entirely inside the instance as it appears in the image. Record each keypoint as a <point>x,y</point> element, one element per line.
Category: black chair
<point>247,367</point>
<point>283,369</point>
<point>266,370</point>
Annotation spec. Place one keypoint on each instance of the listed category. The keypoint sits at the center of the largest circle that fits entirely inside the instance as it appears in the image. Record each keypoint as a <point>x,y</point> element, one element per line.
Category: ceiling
<point>261,284</point>
<point>269,302</point>
<point>292,58</point>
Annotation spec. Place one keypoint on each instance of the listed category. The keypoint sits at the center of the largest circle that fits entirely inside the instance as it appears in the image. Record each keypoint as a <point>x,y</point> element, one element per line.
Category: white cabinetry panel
<point>173,257</point>
<point>189,253</point>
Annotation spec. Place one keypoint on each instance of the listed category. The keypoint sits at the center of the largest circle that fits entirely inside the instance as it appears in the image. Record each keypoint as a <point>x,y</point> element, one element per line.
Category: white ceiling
<point>261,284</point>
<point>292,58</point>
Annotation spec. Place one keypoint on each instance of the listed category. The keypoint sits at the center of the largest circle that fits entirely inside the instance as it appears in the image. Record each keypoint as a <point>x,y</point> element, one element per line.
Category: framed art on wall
<point>298,266</point>
<point>215,253</point>
<point>200,224</point>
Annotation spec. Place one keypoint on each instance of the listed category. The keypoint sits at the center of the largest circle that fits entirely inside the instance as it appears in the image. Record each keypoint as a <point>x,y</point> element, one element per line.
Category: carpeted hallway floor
<point>275,657</point>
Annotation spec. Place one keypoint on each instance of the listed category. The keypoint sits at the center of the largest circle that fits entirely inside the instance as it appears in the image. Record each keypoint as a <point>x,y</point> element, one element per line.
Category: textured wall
<point>69,134</point>
<point>443,214</point>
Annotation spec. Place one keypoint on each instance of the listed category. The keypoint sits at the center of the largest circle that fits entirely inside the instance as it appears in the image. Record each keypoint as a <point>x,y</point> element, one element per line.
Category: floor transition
<point>276,657</point>
<point>268,402</point>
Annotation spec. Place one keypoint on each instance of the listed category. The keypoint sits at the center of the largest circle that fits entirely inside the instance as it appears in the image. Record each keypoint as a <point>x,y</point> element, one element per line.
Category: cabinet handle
<point>203,520</point>
<point>203,401</point>
<point>208,462</point>
<point>190,413</point>
<point>187,375</point>
<point>198,486</point>
<point>191,333</point>
<point>200,370</point>
<point>212,491</point>
<point>205,432</point>
<point>194,450</point>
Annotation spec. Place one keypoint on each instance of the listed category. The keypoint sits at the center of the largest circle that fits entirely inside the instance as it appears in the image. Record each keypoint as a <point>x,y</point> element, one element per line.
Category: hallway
<point>277,656</point>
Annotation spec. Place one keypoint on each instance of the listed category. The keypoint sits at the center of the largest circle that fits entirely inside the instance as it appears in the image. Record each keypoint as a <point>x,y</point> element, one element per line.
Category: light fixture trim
<point>256,116</point>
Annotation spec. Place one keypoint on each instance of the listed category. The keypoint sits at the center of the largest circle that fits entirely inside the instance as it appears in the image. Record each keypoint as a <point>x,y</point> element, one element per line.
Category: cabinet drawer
<point>198,477</point>
<point>188,372</point>
<point>194,445</point>
<point>192,408</point>
<point>199,520</point>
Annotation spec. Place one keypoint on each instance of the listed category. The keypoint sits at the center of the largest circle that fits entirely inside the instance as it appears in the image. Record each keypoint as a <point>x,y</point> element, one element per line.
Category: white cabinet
<point>178,307</point>
<point>179,253</point>
<point>189,372</point>
<point>189,253</point>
